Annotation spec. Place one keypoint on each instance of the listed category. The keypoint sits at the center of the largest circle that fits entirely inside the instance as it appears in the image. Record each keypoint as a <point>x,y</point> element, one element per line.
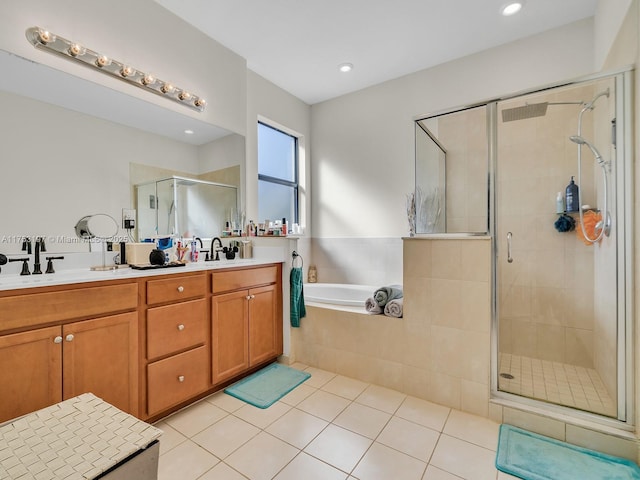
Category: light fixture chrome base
<point>49,42</point>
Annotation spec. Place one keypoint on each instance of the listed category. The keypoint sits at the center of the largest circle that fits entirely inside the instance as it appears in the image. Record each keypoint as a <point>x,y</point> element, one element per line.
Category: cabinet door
<point>30,372</point>
<point>229,331</point>
<point>100,357</point>
<point>263,324</point>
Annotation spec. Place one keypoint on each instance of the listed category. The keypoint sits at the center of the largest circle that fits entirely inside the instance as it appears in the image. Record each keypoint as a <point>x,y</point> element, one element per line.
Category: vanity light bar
<point>51,43</point>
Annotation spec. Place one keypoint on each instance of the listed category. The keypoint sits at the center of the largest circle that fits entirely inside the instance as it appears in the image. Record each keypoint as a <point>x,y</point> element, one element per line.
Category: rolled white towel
<point>394,308</point>
<point>372,306</point>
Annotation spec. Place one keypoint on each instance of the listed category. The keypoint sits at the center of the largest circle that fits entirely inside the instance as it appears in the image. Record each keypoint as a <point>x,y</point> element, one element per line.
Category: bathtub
<point>337,294</point>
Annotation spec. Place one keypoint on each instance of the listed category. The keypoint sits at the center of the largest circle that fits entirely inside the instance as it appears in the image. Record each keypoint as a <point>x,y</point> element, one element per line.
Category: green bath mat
<point>531,456</point>
<point>268,385</point>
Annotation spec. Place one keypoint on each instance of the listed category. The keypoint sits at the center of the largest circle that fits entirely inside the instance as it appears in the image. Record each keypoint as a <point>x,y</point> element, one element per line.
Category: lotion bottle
<point>559,203</point>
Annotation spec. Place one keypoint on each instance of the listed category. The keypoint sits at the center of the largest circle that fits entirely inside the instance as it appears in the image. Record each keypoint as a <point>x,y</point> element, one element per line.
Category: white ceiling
<point>298,44</point>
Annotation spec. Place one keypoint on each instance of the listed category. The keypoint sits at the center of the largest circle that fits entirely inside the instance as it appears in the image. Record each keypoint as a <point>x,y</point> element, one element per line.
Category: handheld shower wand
<point>581,141</point>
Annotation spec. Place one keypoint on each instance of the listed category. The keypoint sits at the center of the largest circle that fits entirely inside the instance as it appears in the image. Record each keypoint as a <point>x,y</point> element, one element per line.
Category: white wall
<point>609,17</point>
<point>362,155</point>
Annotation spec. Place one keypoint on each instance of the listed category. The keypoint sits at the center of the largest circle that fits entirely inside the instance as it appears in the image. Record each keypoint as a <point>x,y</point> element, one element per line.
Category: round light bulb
<point>345,67</point>
<point>200,102</point>
<point>185,96</point>
<point>102,61</point>
<point>166,88</point>
<point>148,80</point>
<point>189,132</point>
<point>127,71</point>
<point>75,50</point>
<point>45,36</point>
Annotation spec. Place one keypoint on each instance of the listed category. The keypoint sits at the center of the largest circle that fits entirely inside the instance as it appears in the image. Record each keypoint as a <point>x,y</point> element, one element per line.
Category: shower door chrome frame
<point>623,80</point>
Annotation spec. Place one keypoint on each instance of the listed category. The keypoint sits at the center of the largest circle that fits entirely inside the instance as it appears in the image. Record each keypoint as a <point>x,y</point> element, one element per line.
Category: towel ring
<point>297,256</point>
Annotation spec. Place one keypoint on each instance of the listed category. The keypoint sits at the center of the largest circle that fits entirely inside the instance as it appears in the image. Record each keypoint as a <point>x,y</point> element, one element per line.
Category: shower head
<point>581,141</point>
<point>530,110</point>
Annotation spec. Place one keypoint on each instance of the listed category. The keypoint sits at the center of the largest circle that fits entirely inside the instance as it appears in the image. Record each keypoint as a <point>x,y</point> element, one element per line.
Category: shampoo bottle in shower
<point>559,203</point>
<point>571,196</point>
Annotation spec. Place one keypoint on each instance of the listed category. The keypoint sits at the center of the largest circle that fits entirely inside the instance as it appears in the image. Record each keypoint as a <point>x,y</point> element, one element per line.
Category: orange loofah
<point>590,220</point>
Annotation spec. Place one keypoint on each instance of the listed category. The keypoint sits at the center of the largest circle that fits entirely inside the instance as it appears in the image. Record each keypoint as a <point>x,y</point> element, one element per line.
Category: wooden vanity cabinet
<point>88,349</point>
<point>176,332</point>
<point>246,319</point>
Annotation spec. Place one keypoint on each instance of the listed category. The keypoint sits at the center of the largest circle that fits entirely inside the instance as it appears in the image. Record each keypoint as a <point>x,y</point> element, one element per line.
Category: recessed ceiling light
<point>345,67</point>
<point>189,132</point>
<point>511,8</point>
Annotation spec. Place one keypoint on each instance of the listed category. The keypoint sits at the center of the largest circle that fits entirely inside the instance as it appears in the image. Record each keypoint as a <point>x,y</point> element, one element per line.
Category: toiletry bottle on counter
<point>312,274</point>
<point>284,226</point>
<point>559,203</point>
<point>572,197</point>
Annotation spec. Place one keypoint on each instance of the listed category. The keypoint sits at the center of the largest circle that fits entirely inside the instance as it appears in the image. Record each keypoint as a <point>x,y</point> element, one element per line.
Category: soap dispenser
<point>572,197</point>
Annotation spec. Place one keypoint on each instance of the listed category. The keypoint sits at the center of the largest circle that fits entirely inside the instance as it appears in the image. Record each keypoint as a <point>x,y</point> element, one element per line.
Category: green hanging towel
<point>298,310</point>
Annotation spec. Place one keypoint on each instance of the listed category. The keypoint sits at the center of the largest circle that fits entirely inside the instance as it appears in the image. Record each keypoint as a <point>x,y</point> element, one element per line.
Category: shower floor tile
<point>555,382</point>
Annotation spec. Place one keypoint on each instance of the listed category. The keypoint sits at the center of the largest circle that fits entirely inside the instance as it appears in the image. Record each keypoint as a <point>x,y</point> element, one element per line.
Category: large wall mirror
<point>452,172</point>
<point>73,148</point>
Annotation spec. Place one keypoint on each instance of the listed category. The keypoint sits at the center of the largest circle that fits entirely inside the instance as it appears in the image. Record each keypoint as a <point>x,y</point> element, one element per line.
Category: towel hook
<point>297,256</point>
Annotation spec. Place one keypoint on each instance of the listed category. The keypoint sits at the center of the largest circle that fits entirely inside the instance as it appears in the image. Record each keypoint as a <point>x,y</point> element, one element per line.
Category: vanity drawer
<point>239,279</point>
<point>176,289</point>
<point>32,309</point>
<point>176,379</point>
<point>172,328</point>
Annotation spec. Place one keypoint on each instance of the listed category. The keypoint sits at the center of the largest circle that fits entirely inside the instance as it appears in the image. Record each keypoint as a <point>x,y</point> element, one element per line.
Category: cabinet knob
<point>69,338</point>
<point>248,297</point>
<point>181,327</point>
<point>58,339</point>
<point>252,296</point>
<point>181,289</point>
<point>181,378</point>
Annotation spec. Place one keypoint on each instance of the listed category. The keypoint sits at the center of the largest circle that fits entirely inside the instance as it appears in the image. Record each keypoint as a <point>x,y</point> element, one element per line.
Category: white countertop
<point>65,277</point>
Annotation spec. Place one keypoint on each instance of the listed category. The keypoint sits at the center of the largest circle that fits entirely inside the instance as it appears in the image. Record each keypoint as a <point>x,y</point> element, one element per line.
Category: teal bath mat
<point>268,385</point>
<point>531,456</point>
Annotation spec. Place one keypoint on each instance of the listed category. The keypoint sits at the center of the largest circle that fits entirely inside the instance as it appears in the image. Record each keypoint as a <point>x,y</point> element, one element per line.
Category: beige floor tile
<point>345,387</point>
<point>364,420</point>
<point>262,457</point>
<point>297,427</point>
<point>506,476</point>
<point>383,463</point>
<point>339,447</point>
<point>295,396</point>
<point>225,402</point>
<point>409,438</point>
<point>381,398</point>
<point>222,471</point>
<point>187,461</point>
<point>477,430</point>
<point>423,412</point>
<point>262,417</point>
<point>170,437</point>
<point>195,418</point>
<point>318,377</point>
<point>464,459</point>
<point>299,366</point>
<point>225,436</point>
<point>324,405</point>
<point>434,473</point>
<point>309,468</point>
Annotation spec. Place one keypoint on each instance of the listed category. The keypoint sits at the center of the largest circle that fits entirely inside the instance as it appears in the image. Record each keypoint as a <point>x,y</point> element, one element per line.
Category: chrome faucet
<point>215,249</point>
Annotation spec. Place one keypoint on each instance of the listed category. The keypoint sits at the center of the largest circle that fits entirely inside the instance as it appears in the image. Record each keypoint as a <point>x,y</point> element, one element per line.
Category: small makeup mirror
<point>102,227</point>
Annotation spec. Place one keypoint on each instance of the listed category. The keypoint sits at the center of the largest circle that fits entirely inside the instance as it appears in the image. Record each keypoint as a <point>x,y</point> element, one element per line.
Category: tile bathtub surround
<point>329,428</point>
<point>439,351</point>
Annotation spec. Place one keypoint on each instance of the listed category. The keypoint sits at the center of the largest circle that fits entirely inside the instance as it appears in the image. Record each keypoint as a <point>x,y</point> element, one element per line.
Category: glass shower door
<point>557,296</point>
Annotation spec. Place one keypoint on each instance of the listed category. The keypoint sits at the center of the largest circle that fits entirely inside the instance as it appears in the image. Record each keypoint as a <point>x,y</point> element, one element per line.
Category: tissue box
<point>138,253</point>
